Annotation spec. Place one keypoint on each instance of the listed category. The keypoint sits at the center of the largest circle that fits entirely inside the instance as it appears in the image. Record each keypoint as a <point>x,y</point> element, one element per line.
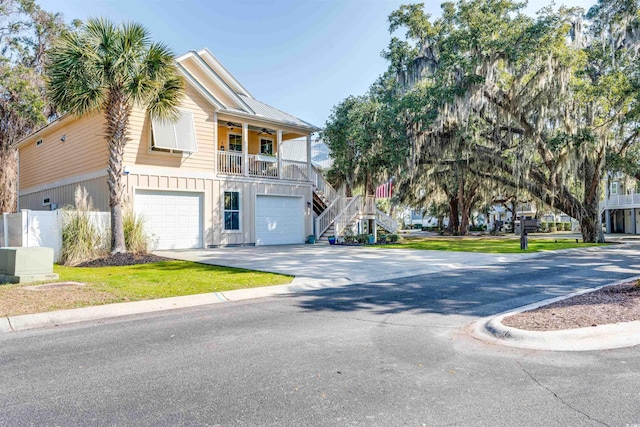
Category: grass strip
<point>105,285</point>
<point>486,245</point>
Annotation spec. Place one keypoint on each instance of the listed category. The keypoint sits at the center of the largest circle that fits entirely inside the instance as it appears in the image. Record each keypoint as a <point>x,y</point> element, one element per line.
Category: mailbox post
<point>526,226</point>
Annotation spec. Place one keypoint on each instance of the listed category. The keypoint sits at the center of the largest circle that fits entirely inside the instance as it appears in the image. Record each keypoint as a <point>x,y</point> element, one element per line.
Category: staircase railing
<point>324,220</point>
<point>386,222</point>
<point>346,215</point>
<point>323,185</point>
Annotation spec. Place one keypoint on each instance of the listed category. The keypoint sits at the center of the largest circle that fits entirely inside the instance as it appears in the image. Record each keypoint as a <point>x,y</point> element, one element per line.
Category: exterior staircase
<point>335,213</point>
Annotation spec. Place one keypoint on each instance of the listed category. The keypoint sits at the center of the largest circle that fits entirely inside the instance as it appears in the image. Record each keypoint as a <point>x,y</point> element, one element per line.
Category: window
<point>179,136</point>
<point>38,143</point>
<point>266,146</point>
<point>614,188</point>
<point>231,210</point>
<point>235,142</point>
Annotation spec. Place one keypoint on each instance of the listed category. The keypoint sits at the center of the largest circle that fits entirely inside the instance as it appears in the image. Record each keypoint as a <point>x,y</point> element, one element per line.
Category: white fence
<point>41,228</point>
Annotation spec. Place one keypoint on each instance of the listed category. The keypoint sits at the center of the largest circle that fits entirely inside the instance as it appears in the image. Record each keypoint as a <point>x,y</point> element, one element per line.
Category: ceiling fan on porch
<point>232,125</point>
<point>265,130</point>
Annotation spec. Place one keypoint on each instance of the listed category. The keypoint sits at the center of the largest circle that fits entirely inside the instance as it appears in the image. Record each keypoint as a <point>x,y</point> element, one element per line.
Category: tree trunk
<point>454,218</point>
<point>117,119</point>
<point>8,180</point>
<point>591,223</point>
<point>464,222</point>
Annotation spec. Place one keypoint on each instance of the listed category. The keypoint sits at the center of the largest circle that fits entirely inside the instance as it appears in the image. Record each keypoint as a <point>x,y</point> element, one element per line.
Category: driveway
<point>351,263</point>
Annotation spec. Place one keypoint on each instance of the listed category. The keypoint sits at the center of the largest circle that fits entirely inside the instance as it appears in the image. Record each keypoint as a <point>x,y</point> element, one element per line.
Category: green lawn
<point>486,245</point>
<point>168,279</point>
<point>106,285</point>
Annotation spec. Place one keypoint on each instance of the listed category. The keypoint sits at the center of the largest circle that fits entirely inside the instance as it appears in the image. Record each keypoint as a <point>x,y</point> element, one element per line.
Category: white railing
<point>621,200</point>
<point>369,206</point>
<point>263,166</point>
<point>230,163</point>
<point>294,170</point>
<point>324,220</point>
<point>386,222</point>
<point>323,185</point>
<point>345,217</point>
<point>260,166</point>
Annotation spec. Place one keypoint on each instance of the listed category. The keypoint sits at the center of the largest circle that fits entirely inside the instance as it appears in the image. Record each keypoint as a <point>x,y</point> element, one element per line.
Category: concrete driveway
<point>355,264</point>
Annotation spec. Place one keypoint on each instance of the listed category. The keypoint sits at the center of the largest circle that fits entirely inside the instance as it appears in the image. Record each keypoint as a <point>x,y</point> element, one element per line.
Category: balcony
<point>261,166</point>
<point>621,201</point>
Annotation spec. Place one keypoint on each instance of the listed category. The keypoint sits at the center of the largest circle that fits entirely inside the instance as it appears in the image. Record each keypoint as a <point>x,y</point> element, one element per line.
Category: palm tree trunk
<point>8,179</point>
<point>117,119</point>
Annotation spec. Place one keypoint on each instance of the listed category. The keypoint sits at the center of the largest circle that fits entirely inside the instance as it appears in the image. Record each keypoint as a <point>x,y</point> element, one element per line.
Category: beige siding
<point>137,151</point>
<point>84,150</point>
<point>213,189</point>
<point>64,195</point>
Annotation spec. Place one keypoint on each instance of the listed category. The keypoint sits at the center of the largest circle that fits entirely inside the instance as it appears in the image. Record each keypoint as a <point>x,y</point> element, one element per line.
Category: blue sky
<point>301,56</point>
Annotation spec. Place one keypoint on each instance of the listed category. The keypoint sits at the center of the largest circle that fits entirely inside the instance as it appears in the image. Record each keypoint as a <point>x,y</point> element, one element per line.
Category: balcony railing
<point>621,200</point>
<point>230,163</point>
<point>260,166</point>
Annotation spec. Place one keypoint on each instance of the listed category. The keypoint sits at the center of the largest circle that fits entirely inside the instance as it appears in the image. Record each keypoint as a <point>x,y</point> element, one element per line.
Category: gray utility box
<point>26,265</point>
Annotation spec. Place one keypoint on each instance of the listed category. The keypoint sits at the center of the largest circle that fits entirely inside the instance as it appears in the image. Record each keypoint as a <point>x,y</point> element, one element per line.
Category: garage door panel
<point>173,219</point>
<point>279,220</point>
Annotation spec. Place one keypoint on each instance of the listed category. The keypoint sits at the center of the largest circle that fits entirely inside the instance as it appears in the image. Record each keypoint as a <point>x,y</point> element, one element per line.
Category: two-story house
<point>215,177</point>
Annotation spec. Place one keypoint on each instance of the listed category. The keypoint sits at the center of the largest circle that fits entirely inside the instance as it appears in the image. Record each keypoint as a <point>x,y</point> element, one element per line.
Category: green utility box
<point>26,265</point>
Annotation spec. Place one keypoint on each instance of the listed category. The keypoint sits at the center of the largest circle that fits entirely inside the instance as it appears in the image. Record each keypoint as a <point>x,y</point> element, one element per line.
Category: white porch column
<point>245,148</point>
<point>215,142</point>
<point>607,219</point>
<point>309,157</point>
<point>279,142</point>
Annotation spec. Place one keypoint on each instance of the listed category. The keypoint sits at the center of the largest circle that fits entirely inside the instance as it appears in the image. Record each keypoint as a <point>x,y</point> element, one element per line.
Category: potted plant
<point>332,240</point>
<point>311,239</point>
<point>370,239</point>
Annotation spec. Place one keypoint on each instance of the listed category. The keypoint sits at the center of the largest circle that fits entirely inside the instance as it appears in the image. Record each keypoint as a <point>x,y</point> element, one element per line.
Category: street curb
<point>601,337</point>
<point>62,317</point>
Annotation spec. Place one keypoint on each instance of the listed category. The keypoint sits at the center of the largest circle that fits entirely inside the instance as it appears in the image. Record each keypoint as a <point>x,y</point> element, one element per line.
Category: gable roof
<point>218,75</point>
<point>246,104</point>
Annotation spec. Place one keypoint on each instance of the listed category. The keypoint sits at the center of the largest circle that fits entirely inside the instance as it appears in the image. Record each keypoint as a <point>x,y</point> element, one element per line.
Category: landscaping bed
<point>611,304</point>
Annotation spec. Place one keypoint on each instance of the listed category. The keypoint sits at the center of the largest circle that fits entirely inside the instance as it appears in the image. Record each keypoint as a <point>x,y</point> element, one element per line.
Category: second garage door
<point>279,220</point>
<point>172,218</point>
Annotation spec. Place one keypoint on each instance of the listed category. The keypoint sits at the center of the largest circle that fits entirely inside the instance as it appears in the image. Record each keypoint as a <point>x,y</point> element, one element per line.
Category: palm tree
<point>104,68</point>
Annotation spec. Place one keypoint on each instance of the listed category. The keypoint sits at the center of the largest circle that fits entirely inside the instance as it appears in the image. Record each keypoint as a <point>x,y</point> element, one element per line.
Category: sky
<point>301,56</point>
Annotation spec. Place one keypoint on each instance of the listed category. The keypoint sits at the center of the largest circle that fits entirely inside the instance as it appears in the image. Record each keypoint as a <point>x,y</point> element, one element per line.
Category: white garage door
<point>172,218</point>
<point>279,220</point>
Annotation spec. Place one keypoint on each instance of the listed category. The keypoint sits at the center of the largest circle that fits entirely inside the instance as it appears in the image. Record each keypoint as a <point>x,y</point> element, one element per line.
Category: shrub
<point>543,226</point>
<point>362,238</point>
<point>553,228</point>
<point>417,226</point>
<point>348,236</point>
<point>135,238</point>
<point>382,238</point>
<point>81,238</point>
<point>393,238</point>
<point>567,226</point>
<point>559,226</point>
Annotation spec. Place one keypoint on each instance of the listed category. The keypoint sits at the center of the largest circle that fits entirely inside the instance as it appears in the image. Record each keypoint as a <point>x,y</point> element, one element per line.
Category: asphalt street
<point>375,354</point>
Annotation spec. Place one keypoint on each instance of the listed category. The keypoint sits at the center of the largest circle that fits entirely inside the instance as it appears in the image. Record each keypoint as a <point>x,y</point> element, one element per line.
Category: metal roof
<point>263,110</point>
